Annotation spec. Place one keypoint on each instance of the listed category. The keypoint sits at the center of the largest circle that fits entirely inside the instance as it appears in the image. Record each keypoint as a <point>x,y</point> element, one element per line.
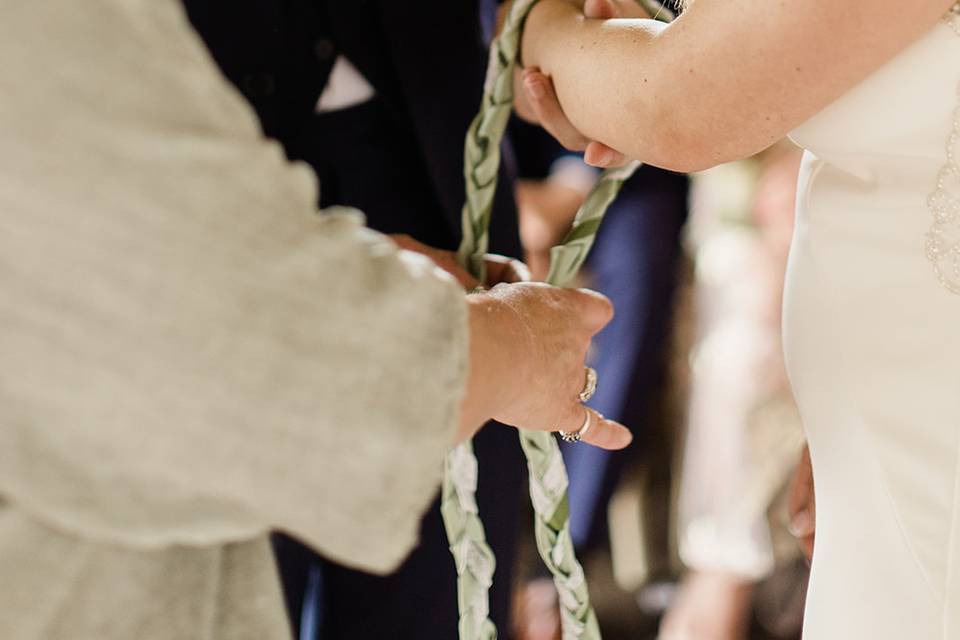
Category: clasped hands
<point>535,98</point>
<point>528,341</point>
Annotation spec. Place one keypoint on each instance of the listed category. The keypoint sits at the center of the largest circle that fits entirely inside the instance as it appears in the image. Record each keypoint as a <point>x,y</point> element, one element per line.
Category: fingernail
<point>600,158</point>
<point>534,87</point>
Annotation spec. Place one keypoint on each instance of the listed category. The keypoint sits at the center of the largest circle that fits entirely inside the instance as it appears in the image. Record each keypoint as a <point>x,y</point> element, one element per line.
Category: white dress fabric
<point>872,340</point>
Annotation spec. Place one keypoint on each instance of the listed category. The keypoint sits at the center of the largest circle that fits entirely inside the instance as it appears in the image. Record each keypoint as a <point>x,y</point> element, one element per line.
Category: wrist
<point>492,376</point>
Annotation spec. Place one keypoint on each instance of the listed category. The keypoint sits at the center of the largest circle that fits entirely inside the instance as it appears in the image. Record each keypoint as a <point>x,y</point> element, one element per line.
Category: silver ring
<point>577,435</point>
<point>590,385</point>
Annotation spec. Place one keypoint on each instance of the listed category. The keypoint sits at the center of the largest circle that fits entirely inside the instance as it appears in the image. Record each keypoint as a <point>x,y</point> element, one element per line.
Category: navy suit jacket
<point>399,159</point>
<point>426,61</point>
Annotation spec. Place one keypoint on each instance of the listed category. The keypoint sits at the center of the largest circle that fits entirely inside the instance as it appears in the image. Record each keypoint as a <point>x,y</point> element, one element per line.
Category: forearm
<point>725,80</point>
<point>617,82</point>
<point>564,45</point>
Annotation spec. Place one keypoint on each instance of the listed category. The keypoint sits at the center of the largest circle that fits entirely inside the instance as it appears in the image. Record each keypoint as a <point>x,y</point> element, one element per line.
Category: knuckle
<point>604,305</point>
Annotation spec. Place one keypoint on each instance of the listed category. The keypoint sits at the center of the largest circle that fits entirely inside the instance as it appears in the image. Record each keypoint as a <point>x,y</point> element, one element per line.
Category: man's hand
<point>536,100</point>
<point>803,505</point>
<point>500,269</point>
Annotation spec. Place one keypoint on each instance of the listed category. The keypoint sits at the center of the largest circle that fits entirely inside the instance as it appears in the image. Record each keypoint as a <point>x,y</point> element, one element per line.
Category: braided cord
<point>548,476</point>
<point>481,149</point>
<point>474,559</point>
<point>472,555</point>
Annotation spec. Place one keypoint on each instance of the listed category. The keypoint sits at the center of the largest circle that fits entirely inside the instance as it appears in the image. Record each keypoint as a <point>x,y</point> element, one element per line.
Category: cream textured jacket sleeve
<point>189,354</point>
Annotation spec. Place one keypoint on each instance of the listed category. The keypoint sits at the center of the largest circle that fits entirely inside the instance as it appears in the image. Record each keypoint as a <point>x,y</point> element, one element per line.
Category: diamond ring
<point>577,436</point>
<point>590,385</point>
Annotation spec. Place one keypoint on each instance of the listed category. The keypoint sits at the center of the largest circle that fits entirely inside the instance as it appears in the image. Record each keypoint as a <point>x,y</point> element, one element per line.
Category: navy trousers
<point>633,262</point>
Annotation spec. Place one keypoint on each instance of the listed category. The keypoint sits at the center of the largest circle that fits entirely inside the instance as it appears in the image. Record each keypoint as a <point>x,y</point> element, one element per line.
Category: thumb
<point>602,433</point>
<point>600,9</point>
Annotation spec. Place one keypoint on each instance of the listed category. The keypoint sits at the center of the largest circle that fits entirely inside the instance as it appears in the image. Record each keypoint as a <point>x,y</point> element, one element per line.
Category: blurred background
<point>684,536</point>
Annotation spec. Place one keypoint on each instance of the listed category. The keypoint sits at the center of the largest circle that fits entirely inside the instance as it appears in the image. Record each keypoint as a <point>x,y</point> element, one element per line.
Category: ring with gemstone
<point>590,385</point>
<point>577,436</point>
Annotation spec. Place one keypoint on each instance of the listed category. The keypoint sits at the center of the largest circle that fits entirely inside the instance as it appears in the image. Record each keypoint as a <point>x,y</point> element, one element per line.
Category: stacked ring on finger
<point>577,436</point>
<point>589,386</point>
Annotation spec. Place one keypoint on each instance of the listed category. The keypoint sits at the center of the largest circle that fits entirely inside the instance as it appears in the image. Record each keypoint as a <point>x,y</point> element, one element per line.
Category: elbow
<point>685,149</point>
<point>685,159</point>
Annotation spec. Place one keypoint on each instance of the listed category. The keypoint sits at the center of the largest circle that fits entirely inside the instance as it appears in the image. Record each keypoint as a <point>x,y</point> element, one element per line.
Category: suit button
<point>324,48</point>
<point>259,85</point>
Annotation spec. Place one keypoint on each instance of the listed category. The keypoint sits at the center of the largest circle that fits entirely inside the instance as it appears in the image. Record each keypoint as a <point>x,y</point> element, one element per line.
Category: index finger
<point>543,100</point>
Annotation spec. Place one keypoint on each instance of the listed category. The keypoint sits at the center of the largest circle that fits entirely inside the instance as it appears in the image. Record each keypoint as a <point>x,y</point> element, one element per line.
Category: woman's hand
<point>500,269</point>
<point>528,344</point>
<point>803,506</point>
<point>541,106</point>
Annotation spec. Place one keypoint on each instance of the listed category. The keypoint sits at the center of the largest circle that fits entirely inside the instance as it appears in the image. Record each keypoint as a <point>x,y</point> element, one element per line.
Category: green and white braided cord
<point>475,562</point>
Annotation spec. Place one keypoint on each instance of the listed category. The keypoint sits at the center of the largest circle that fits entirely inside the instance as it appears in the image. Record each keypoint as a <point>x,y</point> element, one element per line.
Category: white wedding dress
<point>872,338</point>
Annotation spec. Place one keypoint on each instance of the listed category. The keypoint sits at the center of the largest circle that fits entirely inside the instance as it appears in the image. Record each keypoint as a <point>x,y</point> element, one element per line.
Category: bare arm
<point>727,79</point>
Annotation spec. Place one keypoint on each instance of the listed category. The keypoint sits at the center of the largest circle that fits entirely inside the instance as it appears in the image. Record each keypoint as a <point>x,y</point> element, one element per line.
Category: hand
<point>528,343</point>
<point>536,100</point>
<point>802,505</point>
<point>547,210</point>
<point>500,269</point>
